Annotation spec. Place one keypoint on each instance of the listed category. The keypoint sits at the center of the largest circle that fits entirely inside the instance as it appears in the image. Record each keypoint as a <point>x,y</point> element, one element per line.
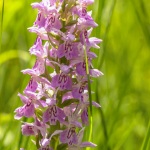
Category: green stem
<point>88,77</point>
<point>89,91</point>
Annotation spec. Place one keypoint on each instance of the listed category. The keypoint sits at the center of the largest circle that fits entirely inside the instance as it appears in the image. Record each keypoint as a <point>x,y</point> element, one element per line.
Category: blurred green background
<point>124,58</point>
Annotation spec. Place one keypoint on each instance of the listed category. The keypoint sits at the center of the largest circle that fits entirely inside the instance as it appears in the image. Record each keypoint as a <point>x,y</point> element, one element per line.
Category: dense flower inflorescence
<point>56,96</point>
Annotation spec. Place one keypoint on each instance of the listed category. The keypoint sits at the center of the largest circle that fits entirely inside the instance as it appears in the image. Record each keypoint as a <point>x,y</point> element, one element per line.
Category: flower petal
<point>95,73</point>
<point>87,144</point>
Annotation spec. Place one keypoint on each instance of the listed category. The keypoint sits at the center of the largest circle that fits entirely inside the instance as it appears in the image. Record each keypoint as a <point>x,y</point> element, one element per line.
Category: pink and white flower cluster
<point>56,96</point>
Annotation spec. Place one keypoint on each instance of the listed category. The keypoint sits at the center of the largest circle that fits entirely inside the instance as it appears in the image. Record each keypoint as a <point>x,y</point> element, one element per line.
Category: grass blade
<point>102,117</point>
<point>141,20</point>
<point>105,36</point>
<point>147,139</point>
<point>2,17</point>
<point>11,54</point>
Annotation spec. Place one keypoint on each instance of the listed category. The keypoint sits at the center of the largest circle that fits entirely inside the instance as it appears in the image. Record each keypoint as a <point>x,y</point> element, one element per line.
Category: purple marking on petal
<point>62,81</point>
<point>84,117</point>
<point>70,132</point>
<point>28,129</point>
<point>29,110</point>
<point>69,136</point>
<point>78,91</point>
<point>32,85</point>
<point>68,49</point>
<point>52,22</point>
<point>84,11</point>
<point>39,66</point>
<point>40,20</point>
<point>52,114</point>
<point>81,68</point>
